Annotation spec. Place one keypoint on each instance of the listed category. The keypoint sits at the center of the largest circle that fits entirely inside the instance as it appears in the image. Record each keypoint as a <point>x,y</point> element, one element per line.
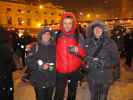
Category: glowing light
<point>22,22</point>
<point>129,21</point>
<point>97,16</point>
<point>22,46</point>
<point>69,81</point>
<point>41,7</point>
<point>50,28</point>
<point>22,12</point>
<point>88,15</point>
<point>20,34</point>
<point>121,21</point>
<point>40,62</point>
<point>116,17</point>
<point>106,22</point>
<point>39,25</point>
<point>81,13</point>
<point>56,32</point>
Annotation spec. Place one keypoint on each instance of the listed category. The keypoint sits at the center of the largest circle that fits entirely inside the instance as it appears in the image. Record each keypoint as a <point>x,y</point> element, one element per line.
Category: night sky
<point>84,4</point>
<point>79,5</point>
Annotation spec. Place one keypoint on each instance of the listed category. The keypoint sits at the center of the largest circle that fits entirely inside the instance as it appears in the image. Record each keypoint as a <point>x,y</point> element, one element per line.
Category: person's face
<point>46,37</point>
<point>128,31</point>
<point>68,24</point>
<point>98,32</point>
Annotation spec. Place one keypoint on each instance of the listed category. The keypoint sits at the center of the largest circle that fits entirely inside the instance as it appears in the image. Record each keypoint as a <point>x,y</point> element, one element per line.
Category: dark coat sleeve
<point>31,60</point>
<point>114,54</point>
<point>82,51</point>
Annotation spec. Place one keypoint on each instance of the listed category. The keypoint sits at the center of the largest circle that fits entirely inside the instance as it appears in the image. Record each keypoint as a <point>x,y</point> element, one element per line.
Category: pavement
<point>122,90</point>
<point>24,91</point>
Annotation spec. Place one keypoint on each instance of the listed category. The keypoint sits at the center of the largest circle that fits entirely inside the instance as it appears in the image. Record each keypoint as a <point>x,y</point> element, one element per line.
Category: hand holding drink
<point>49,66</point>
<point>73,49</point>
<point>45,66</point>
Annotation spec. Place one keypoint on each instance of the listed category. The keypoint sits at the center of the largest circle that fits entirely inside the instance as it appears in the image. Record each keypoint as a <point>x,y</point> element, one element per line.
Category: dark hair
<point>69,17</point>
<point>99,26</point>
<point>42,32</point>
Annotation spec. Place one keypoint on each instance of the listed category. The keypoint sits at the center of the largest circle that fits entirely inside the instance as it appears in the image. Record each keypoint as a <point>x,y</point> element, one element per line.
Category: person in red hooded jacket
<point>68,58</point>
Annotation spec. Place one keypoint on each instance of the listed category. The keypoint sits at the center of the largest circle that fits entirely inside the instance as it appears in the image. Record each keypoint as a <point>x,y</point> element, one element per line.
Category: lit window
<point>19,10</point>
<point>8,9</point>
<point>45,13</point>
<point>52,13</point>
<point>9,20</point>
<point>28,21</point>
<point>36,12</point>
<point>60,15</point>
<point>52,21</point>
<point>19,21</point>
<point>45,22</point>
<point>28,11</point>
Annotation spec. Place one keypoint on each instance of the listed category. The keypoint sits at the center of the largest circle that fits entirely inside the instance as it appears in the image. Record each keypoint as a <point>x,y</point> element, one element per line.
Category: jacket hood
<point>71,15</point>
<point>90,28</point>
<point>43,31</point>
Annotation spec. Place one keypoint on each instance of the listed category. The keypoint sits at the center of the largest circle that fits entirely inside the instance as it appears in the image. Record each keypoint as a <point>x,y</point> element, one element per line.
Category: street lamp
<point>41,6</point>
<point>129,21</point>
<point>22,22</point>
<point>88,15</point>
<point>39,24</point>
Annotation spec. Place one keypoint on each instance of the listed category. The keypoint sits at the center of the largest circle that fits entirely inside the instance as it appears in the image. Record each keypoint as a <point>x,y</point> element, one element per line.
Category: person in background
<point>118,36</point>
<point>7,66</point>
<point>24,40</point>
<point>102,60</point>
<point>40,60</point>
<point>129,48</point>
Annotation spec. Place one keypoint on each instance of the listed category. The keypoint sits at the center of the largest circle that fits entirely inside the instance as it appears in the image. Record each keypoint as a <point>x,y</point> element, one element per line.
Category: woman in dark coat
<point>41,62</point>
<point>103,60</point>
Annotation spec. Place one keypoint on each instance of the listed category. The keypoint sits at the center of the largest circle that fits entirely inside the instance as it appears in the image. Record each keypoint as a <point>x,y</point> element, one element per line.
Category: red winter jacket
<point>65,61</point>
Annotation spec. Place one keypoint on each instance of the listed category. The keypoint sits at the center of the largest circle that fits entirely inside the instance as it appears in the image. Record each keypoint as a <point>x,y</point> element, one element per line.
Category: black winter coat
<point>39,77</point>
<point>107,68</point>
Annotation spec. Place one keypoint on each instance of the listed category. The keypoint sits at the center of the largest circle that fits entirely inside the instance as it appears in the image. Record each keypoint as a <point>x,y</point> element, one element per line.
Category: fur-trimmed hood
<point>89,30</point>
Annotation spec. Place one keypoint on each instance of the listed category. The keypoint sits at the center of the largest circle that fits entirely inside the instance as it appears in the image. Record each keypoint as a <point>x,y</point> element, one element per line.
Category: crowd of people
<point>53,64</point>
<point>12,47</point>
<point>124,38</point>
